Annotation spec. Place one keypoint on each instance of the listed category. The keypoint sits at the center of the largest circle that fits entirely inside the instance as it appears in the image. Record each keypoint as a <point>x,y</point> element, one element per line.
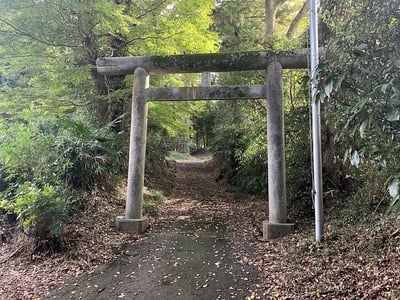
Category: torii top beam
<point>210,62</point>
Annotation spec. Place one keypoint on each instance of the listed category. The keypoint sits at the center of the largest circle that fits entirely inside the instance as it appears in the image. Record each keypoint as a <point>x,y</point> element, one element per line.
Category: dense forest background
<point>64,128</point>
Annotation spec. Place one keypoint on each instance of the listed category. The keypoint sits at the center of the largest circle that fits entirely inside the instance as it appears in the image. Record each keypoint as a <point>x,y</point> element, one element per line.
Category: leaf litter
<point>360,262</point>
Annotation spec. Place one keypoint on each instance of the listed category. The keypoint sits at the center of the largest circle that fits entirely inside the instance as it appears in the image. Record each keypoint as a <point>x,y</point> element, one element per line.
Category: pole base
<point>136,226</point>
<point>273,231</point>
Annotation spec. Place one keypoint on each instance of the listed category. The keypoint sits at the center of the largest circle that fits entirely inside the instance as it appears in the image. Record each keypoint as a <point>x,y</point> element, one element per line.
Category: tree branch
<point>151,9</point>
<point>22,32</point>
<point>296,21</point>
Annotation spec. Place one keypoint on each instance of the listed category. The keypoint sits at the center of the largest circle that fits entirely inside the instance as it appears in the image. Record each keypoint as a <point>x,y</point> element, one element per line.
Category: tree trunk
<point>100,107</point>
<point>269,24</point>
<point>271,7</point>
<point>296,21</point>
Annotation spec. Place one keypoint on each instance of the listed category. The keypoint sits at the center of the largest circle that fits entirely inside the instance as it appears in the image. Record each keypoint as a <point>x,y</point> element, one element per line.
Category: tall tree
<point>74,34</point>
<point>259,24</point>
<point>239,136</point>
<point>298,19</point>
<point>273,8</point>
<point>51,95</point>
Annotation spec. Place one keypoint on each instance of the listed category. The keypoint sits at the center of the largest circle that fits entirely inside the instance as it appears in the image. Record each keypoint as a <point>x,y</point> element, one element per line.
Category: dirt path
<point>206,244</point>
<point>192,252</point>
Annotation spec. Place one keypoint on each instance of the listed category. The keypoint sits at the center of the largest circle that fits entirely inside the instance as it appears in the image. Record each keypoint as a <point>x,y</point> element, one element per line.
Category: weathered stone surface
<point>136,226</point>
<point>276,145</point>
<point>137,146</point>
<point>273,231</point>
<point>209,62</point>
<point>207,93</point>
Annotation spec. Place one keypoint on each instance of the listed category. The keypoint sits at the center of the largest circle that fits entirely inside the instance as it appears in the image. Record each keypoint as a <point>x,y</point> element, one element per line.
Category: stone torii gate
<point>142,66</point>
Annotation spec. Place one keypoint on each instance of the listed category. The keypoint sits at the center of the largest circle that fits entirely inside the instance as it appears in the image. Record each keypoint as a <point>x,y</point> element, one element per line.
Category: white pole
<point>316,125</point>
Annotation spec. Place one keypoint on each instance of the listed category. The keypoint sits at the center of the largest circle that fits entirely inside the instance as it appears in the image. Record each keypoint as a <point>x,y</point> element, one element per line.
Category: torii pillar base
<point>273,231</point>
<point>135,226</point>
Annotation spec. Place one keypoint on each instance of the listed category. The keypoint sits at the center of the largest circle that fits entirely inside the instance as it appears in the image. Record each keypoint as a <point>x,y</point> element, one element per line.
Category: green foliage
<point>203,121</point>
<point>361,80</point>
<point>236,130</point>
<point>58,134</point>
<point>157,147</point>
<point>169,117</point>
<point>24,154</point>
<point>44,162</point>
<point>93,155</point>
<point>42,211</point>
<point>241,24</point>
<point>252,151</point>
<point>64,40</point>
<point>152,199</point>
<point>298,162</point>
<point>54,149</point>
<point>366,201</point>
<point>227,136</point>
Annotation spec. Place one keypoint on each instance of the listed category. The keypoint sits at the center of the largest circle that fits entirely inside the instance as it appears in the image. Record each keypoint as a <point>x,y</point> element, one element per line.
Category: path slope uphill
<point>190,253</point>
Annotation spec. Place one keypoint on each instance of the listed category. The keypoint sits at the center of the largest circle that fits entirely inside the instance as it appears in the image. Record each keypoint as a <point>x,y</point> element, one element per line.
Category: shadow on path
<point>189,254</point>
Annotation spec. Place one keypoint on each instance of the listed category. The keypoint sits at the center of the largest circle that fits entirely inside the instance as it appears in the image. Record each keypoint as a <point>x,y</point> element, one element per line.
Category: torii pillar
<point>277,225</point>
<point>133,221</point>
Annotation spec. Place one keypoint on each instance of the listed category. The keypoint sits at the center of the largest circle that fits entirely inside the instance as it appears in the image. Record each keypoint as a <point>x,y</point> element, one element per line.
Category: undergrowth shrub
<point>366,201</point>
<point>157,148</point>
<point>361,79</point>
<point>48,164</point>
<point>152,199</point>
<point>94,156</point>
<point>252,168</point>
<point>41,211</point>
<point>298,163</point>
